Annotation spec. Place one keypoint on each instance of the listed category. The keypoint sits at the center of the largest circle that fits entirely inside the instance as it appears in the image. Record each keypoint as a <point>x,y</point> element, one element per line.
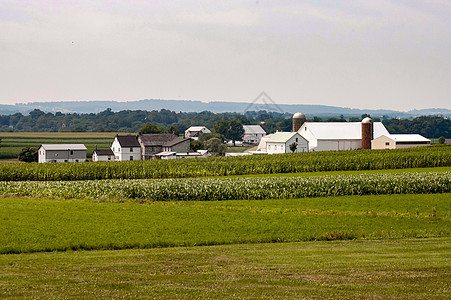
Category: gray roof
<point>280,137</point>
<point>253,129</point>
<point>128,141</point>
<point>165,140</point>
<point>104,152</point>
<point>63,146</point>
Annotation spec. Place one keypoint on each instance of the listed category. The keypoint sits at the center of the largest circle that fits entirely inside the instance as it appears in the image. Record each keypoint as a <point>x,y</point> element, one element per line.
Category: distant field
<point>13,142</point>
<point>48,224</point>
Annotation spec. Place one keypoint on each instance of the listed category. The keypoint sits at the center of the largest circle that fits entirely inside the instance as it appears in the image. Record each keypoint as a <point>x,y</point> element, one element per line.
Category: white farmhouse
<point>195,131</point>
<point>126,148</point>
<point>61,153</point>
<point>253,134</point>
<point>397,141</point>
<point>327,136</point>
<point>280,142</point>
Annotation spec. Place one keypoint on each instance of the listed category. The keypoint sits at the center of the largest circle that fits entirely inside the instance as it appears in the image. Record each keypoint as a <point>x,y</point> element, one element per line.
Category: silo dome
<point>298,120</point>
<point>299,115</point>
<point>367,120</point>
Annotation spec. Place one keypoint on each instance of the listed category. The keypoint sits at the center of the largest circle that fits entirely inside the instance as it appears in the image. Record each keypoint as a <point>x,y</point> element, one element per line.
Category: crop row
<point>434,156</point>
<point>205,189</point>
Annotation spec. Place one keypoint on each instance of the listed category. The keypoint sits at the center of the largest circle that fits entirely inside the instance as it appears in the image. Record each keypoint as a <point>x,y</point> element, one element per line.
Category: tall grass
<point>434,156</point>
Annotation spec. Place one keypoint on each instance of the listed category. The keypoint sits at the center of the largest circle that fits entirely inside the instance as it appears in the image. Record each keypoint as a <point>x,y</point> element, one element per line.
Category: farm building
<point>329,136</point>
<point>61,153</point>
<point>253,134</point>
<point>145,146</point>
<point>326,136</point>
<point>152,144</point>
<point>280,142</point>
<point>175,155</point>
<point>103,155</point>
<point>195,131</point>
<point>126,148</point>
<point>397,141</point>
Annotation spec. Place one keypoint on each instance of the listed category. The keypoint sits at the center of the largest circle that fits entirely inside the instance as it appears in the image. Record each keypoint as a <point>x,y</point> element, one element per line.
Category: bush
<point>29,154</point>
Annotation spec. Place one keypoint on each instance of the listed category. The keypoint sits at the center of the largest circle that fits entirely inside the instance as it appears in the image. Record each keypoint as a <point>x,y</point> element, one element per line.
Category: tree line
<point>178,122</point>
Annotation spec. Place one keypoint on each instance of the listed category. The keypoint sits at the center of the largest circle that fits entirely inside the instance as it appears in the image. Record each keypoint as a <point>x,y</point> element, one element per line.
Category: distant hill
<point>215,107</point>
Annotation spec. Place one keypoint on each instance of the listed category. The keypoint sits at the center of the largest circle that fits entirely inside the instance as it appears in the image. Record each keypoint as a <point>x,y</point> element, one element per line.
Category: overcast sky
<point>360,54</point>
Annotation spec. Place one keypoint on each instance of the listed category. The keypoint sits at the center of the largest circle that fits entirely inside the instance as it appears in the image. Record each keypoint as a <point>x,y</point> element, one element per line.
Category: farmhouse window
<point>387,143</point>
<point>131,149</point>
<point>131,157</point>
<point>71,152</point>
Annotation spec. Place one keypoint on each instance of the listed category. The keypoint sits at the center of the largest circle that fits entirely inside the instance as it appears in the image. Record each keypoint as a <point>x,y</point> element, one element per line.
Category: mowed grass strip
<point>401,269</point>
<point>36,225</point>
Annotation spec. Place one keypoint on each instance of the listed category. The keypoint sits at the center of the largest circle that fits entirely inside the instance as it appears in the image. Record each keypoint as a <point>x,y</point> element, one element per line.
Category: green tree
<point>150,128</point>
<point>215,145</point>
<point>231,130</point>
<point>441,140</point>
<point>293,147</point>
<point>196,145</point>
<point>173,130</point>
<point>29,154</point>
<point>206,136</point>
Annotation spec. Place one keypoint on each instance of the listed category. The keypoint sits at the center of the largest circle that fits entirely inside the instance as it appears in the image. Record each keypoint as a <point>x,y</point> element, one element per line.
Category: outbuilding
<point>253,134</point>
<point>61,153</point>
<point>398,141</point>
<point>103,155</point>
<point>280,142</point>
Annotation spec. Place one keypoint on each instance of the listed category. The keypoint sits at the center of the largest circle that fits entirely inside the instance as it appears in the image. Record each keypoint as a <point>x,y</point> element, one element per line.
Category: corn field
<point>433,156</point>
<point>205,189</point>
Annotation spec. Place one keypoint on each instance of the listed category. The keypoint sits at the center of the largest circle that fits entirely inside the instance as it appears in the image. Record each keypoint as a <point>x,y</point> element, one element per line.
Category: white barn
<point>253,134</point>
<point>195,131</point>
<point>327,136</point>
<point>61,153</point>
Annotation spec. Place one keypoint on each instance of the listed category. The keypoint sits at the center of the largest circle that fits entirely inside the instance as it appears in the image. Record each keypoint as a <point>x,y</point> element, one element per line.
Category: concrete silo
<point>298,120</point>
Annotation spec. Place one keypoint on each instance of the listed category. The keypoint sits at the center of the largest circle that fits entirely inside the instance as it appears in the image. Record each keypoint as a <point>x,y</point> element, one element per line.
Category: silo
<point>367,133</point>
<point>298,120</point>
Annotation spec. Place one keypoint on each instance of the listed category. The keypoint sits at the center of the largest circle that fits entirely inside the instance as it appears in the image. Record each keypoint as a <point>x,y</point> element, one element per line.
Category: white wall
<point>124,153</point>
<point>275,148</point>
<point>95,157</point>
<point>335,145</point>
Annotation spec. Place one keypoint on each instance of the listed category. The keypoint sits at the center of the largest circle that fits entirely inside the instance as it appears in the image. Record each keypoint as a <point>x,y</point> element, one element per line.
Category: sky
<point>358,54</point>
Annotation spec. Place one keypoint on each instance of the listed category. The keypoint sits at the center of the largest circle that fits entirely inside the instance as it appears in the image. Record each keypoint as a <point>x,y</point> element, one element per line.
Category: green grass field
<point>373,246</point>
<point>36,225</point>
<point>362,269</point>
